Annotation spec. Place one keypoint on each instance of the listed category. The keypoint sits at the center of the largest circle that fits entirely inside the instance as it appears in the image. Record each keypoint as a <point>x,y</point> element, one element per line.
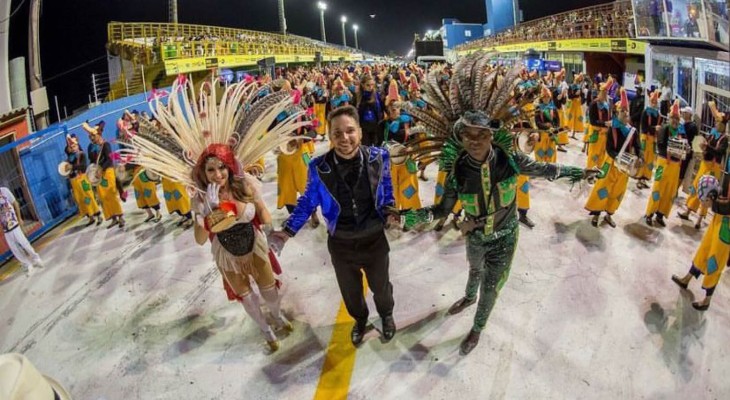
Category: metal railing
<point>153,42</point>
<point>611,20</point>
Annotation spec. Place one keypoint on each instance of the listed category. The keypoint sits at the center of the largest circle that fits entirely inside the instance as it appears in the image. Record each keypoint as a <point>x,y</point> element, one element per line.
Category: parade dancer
<point>712,255</point>
<point>483,174</point>
<point>109,187</point>
<point>396,128</point>
<point>574,114</point>
<point>610,188</point>
<point>666,176</point>
<point>713,153</point>
<point>207,148</point>
<point>600,115</point>
<point>81,188</point>
<point>650,123</point>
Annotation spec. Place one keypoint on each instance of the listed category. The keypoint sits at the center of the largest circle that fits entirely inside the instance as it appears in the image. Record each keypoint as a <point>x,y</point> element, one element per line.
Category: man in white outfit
<point>12,222</point>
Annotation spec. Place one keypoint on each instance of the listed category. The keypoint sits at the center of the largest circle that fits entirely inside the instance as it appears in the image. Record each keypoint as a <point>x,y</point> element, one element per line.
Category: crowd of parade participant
<point>385,125</point>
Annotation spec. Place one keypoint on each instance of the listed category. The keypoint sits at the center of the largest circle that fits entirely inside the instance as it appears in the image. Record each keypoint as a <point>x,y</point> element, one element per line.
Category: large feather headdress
<point>190,123</point>
<point>475,85</point>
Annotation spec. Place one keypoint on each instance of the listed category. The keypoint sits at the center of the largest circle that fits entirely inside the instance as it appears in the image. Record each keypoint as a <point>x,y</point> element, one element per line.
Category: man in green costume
<point>483,177</point>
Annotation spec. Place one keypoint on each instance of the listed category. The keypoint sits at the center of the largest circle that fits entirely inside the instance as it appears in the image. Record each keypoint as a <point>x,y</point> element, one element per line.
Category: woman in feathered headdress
<point>207,146</point>
<point>666,177</point>
<point>81,188</point>
<point>714,149</point>
<point>649,125</point>
<point>600,114</point>
<point>609,190</point>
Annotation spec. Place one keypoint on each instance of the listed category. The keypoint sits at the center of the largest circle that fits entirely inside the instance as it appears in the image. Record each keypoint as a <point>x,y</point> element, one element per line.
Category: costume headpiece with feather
<point>194,126</point>
<point>498,95</point>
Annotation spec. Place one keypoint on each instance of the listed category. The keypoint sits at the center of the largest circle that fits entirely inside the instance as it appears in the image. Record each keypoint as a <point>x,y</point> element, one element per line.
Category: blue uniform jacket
<point>321,181</point>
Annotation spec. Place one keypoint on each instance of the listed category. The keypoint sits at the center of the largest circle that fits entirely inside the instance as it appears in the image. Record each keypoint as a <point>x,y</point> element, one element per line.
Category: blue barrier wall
<point>51,193</point>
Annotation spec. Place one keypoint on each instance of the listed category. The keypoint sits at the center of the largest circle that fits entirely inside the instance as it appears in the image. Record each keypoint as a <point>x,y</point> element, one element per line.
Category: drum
<point>677,147</point>
<point>121,172</point>
<point>94,174</point>
<point>149,176</point>
<point>65,168</point>
<point>628,164</point>
<point>396,151</point>
<point>522,142</point>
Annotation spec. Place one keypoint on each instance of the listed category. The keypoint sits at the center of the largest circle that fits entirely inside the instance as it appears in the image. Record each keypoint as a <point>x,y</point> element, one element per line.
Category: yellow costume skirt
<point>438,194</point>
<point>545,149</point>
<point>608,191</point>
<point>177,199</point>
<point>321,115</point>
<point>664,189</point>
<point>597,138</point>
<point>712,255</point>
<point>109,194</point>
<point>84,196</point>
<point>291,176</point>
<point>706,168</point>
<point>647,148</point>
<point>523,192</point>
<point>145,190</point>
<point>574,116</point>
<point>405,185</point>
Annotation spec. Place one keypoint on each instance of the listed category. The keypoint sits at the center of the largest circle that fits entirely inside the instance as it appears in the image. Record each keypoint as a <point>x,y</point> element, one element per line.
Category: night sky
<point>73,32</point>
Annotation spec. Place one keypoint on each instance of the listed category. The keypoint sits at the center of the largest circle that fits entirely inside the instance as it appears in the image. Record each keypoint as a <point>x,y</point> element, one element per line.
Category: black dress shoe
<point>388,328</point>
<point>358,333</point>
<point>679,282</point>
<point>461,305</point>
<point>700,307</point>
<point>648,220</point>
<point>469,343</point>
<point>660,220</point>
<point>684,216</point>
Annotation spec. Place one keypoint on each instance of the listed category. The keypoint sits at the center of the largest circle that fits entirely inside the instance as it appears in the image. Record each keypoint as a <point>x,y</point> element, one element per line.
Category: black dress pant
<point>370,134</point>
<point>350,257</point>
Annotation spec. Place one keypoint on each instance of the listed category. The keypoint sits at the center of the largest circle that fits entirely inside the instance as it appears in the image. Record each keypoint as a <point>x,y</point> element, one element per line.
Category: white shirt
<point>666,94</point>
<point>8,218</point>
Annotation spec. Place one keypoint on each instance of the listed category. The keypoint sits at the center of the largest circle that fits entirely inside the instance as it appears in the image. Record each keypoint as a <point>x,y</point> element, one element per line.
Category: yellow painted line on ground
<point>339,361</point>
<point>12,266</point>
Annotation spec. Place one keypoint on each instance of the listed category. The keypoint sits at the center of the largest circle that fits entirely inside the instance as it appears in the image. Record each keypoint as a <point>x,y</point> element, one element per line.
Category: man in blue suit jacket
<point>352,185</point>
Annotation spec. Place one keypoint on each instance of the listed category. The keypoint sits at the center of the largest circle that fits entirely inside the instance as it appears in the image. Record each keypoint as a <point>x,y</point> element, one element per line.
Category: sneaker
<point>30,271</point>
<point>683,215</point>
<point>648,220</point>
<point>594,220</point>
<point>609,221</point>
<point>660,220</point>
<point>469,343</point>
<point>526,221</point>
<point>461,305</point>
